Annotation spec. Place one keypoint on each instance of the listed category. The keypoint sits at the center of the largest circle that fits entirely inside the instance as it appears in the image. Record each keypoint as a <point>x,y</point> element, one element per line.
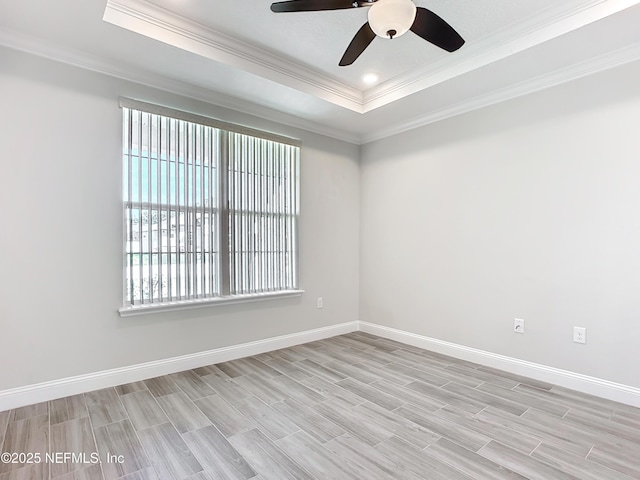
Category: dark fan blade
<point>311,5</point>
<point>361,41</point>
<point>433,29</point>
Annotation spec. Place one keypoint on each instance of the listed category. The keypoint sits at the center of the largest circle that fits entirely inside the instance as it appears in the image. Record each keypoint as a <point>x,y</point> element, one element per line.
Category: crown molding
<point>158,23</point>
<point>541,28</point>
<point>48,50</point>
<point>165,26</point>
<point>575,71</point>
<point>82,60</point>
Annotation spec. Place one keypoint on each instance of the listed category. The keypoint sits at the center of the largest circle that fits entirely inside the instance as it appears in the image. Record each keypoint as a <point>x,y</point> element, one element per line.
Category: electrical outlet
<point>579,334</point>
<point>518,325</point>
<point>320,303</point>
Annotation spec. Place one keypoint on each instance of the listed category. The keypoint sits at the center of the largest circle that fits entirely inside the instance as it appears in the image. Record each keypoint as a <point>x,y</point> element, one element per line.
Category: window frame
<point>221,209</point>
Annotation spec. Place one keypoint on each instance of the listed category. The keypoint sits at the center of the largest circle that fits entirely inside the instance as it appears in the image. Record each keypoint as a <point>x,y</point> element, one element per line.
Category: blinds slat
<point>287,203</point>
<point>295,213</point>
<point>193,237</point>
<point>245,216</point>
<point>179,218</point>
<point>140,255</point>
<point>232,218</point>
<point>129,114</point>
<point>272,207</point>
<point>167,126</point>
<point>254,225</point>
<point>188,211</point>
<point>224,220</point>
<point>265,216</point>
<point>202,249</point>
<point>211,257</point>
<point>149,216</point>
<point>210,220</point>
<point>239,211</point>
<point>201,197</point>
<point>158,202</point>
<point>280,218</point>
<point>276,220</point>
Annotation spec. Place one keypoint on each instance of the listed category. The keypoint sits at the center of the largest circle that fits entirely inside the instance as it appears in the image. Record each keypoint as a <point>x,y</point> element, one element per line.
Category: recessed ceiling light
<point>370,78</point>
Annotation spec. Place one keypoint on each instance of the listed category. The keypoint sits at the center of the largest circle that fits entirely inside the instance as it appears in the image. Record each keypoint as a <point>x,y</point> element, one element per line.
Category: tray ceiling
<point>284,66</point>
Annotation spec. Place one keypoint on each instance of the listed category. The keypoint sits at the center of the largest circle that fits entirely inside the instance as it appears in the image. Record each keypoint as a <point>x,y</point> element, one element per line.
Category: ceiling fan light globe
<point>391,15</point>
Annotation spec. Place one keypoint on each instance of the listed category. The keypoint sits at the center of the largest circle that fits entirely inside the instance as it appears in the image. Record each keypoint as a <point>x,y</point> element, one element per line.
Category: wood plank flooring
<point>349,407</point>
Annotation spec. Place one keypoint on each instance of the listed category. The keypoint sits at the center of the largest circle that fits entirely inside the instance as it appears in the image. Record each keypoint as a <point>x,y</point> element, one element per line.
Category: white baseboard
<point>575,381</point>
<point>42,392</point>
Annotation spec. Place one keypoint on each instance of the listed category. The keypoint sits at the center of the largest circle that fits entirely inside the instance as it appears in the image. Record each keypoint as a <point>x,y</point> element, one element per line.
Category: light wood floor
<point>350,407</point>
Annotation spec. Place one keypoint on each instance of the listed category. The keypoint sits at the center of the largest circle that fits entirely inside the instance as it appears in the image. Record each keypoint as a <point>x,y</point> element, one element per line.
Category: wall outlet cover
<point>579,335</point>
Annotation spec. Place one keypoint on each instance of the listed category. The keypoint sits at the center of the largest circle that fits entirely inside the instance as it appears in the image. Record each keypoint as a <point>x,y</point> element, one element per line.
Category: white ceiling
<point>239,54</point>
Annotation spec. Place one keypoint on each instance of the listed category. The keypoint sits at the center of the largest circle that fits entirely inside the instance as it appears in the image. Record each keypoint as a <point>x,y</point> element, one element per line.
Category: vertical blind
<point>262,215</point>
<point>208,211</point>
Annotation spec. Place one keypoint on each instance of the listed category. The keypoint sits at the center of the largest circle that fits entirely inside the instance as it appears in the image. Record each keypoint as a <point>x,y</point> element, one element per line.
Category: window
<point>210,209</point>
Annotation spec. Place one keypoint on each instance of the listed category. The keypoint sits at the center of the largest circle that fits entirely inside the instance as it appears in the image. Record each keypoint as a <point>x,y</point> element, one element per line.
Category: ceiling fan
<point>386,19</point>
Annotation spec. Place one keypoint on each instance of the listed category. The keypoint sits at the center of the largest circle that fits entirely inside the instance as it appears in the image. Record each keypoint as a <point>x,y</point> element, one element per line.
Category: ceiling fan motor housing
<point>391,18</point>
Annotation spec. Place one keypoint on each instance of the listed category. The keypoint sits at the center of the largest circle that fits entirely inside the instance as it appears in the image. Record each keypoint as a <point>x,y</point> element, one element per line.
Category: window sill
<point>209,302</point>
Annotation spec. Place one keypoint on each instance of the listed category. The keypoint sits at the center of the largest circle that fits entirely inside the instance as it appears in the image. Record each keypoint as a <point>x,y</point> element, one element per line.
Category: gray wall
<point>61,233</point>
<point>529,209</point>
<point>525,209</point>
